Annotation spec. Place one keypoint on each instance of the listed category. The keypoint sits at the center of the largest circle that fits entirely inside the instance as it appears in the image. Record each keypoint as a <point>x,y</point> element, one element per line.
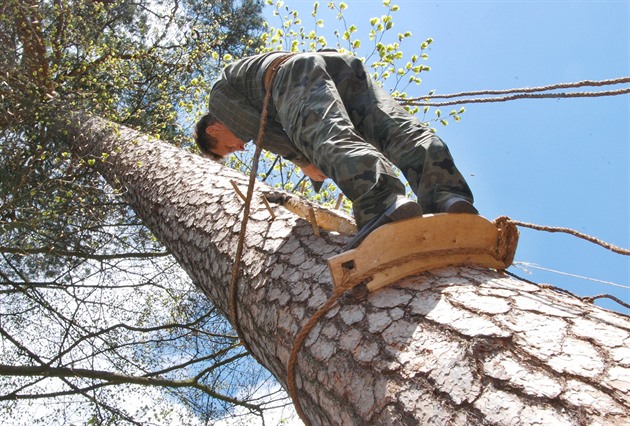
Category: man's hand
<point>314,173</point>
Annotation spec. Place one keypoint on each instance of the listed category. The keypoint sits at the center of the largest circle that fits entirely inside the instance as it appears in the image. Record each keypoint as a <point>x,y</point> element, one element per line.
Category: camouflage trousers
<point>353,131</point>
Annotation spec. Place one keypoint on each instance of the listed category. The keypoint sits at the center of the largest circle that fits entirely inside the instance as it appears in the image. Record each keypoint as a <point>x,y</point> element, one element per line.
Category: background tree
<point>83,283</point>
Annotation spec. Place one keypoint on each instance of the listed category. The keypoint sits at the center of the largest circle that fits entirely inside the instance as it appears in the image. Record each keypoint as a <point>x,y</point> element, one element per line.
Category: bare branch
<point>81,254</point>
<point>113,378</point>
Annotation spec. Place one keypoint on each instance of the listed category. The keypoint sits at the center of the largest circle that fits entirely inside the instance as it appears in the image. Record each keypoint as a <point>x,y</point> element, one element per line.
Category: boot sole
<point>462,206</point>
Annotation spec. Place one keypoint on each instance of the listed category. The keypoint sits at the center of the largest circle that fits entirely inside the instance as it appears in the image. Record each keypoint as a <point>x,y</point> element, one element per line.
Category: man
<point>328,117</point>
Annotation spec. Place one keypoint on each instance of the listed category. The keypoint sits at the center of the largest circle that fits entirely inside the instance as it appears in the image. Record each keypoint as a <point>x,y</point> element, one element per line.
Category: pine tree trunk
<point>455,346</point>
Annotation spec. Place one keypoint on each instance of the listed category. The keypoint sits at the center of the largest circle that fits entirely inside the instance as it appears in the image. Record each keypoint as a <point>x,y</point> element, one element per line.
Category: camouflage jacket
<point>236,100</point>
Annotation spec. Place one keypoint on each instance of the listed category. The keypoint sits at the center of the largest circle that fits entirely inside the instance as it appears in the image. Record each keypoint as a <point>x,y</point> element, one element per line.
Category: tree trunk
<point>454,346</point>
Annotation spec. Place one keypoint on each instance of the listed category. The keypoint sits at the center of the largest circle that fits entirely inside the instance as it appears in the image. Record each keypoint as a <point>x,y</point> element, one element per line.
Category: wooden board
<point>407,247</point>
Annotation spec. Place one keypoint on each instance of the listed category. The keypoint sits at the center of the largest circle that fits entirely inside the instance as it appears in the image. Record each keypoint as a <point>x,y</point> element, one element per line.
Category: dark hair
<point>204,141</point>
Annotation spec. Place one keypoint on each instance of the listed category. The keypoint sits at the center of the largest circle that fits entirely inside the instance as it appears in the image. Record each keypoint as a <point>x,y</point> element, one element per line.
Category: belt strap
<point>274,67</point>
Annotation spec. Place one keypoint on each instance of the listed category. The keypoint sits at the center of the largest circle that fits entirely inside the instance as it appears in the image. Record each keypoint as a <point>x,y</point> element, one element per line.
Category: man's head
<point>215,140</point>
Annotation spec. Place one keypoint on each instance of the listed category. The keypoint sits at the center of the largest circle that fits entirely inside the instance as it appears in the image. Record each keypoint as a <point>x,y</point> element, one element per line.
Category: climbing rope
<point>591,299</point>
<point>269,77</point>
<point>569,231</point>
<point>584,83</point>
<point>233,288</point>
<point>521,93</point>
<point>241,241</point>
<point>297,345</point>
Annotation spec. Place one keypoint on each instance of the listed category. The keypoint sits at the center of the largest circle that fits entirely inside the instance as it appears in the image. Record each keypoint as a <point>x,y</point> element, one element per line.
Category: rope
<point>268,80</point>
<point>607,296</point>
<point>518,96</point>
<point>233,288</point>
<point>297,345</point>
<point>241,240</point>
<point>522,93</point>
<point>586,237</point>
<point>621,80</point>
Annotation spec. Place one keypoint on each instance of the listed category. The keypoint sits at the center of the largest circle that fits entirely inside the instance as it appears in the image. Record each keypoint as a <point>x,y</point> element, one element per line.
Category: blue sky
<point>553,162</point>
<point>556,162</point>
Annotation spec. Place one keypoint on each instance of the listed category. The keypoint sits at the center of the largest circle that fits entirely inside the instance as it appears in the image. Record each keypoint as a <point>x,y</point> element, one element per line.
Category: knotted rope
<point>297,345</point>
<point>573,232</point>
<point>269,77</point>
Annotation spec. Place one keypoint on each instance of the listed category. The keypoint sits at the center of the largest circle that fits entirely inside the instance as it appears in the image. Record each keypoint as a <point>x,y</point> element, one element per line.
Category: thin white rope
<point>542,268</point>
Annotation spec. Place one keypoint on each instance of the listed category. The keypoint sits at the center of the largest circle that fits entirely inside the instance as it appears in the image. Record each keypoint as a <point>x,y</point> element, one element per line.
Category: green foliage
<point>381,50</point>
<point>136,63</point>
<point>144,64</point>
<point>82,282</point>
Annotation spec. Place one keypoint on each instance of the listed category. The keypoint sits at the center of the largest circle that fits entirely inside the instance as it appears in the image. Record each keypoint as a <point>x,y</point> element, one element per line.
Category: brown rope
<point>270,75</point>
<point>520,93</point>
<point>586,237</point>
<point>583,83</point>
<point>517,96</point>
<point>591,299</point>
<point>241,241</point>
<point>297,345</point>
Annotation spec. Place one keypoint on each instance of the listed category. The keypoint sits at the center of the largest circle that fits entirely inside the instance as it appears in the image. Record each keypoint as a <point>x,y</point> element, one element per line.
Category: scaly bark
<point>456,346</point>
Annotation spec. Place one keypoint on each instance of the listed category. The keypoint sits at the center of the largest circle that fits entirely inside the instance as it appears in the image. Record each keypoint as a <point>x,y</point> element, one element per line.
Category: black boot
<point>457,205</point>
<point>403,208</point>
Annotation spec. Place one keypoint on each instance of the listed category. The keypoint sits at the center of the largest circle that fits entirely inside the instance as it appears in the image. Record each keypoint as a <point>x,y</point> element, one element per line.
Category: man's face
<point>227,142</point>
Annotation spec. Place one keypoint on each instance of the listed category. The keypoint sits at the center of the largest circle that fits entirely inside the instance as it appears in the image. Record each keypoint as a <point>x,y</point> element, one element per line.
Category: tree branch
<point>113,378</point>
<point>81,254</point>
